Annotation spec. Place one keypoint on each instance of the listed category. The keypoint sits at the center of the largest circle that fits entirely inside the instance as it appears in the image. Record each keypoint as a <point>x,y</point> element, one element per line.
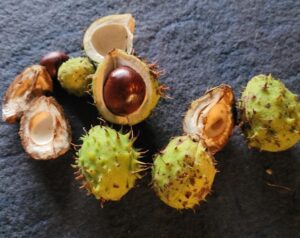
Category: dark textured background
<point>199,44</point>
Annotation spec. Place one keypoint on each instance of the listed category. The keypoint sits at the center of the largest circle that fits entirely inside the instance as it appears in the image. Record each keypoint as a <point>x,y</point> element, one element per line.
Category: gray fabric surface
<point>199,44</point>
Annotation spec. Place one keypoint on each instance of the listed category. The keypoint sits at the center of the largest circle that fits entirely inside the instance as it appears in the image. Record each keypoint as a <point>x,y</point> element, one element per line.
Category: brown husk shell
<point>27,141</point>
<point>32,82</point>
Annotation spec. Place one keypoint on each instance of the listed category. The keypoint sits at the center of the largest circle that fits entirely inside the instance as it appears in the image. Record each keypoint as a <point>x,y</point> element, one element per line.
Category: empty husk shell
<point>33,81</point>
<point>211,117</point>
<point>45,132</point>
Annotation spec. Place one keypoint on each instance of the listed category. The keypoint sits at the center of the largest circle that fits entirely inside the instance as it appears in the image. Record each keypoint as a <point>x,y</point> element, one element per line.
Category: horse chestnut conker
<point>53,60</point>
<point>124,91</point>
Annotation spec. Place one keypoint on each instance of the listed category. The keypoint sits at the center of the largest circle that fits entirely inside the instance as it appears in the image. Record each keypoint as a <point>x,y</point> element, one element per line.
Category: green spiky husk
<point>75,74</point>
<point>183,173</point>
<point>108,163</point>
<point>270,114</point>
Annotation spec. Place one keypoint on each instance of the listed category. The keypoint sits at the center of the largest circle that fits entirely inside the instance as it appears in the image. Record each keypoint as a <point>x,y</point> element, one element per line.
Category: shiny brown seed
<point>53,60</point>
<point>124,91</point>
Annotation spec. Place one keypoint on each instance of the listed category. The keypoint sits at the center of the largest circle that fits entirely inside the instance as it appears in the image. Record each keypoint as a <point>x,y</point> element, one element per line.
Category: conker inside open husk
<point>124,91</point>
<point>125,88</point>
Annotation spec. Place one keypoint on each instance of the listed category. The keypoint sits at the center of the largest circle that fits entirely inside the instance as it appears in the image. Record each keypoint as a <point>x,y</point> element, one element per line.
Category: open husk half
<point>45,132</point>
<point>211,117</point>
<point>32,82</point>
<point>108,33</point>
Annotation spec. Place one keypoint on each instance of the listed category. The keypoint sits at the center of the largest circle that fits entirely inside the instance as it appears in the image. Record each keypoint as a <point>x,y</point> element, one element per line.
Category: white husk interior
<point>108,37</point>
<point>60,139</point>
<point>114,37</point>
<point>193,121</point>
<point>41,128</point>
<point>15,106</point>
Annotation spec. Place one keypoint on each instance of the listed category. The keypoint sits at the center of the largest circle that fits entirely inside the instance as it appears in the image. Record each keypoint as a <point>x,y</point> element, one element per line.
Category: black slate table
<point>199,44</point>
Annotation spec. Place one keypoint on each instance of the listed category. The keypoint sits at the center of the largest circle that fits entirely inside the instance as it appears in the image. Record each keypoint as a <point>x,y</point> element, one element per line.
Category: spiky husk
<point>270,114</point>
<point>108,163</point>
<point>75,74</point>
<point>183,173</point>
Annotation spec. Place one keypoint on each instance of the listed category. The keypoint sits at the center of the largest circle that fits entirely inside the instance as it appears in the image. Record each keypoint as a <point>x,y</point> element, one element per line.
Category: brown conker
<point>53,60</point>
<point>124,91</point>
